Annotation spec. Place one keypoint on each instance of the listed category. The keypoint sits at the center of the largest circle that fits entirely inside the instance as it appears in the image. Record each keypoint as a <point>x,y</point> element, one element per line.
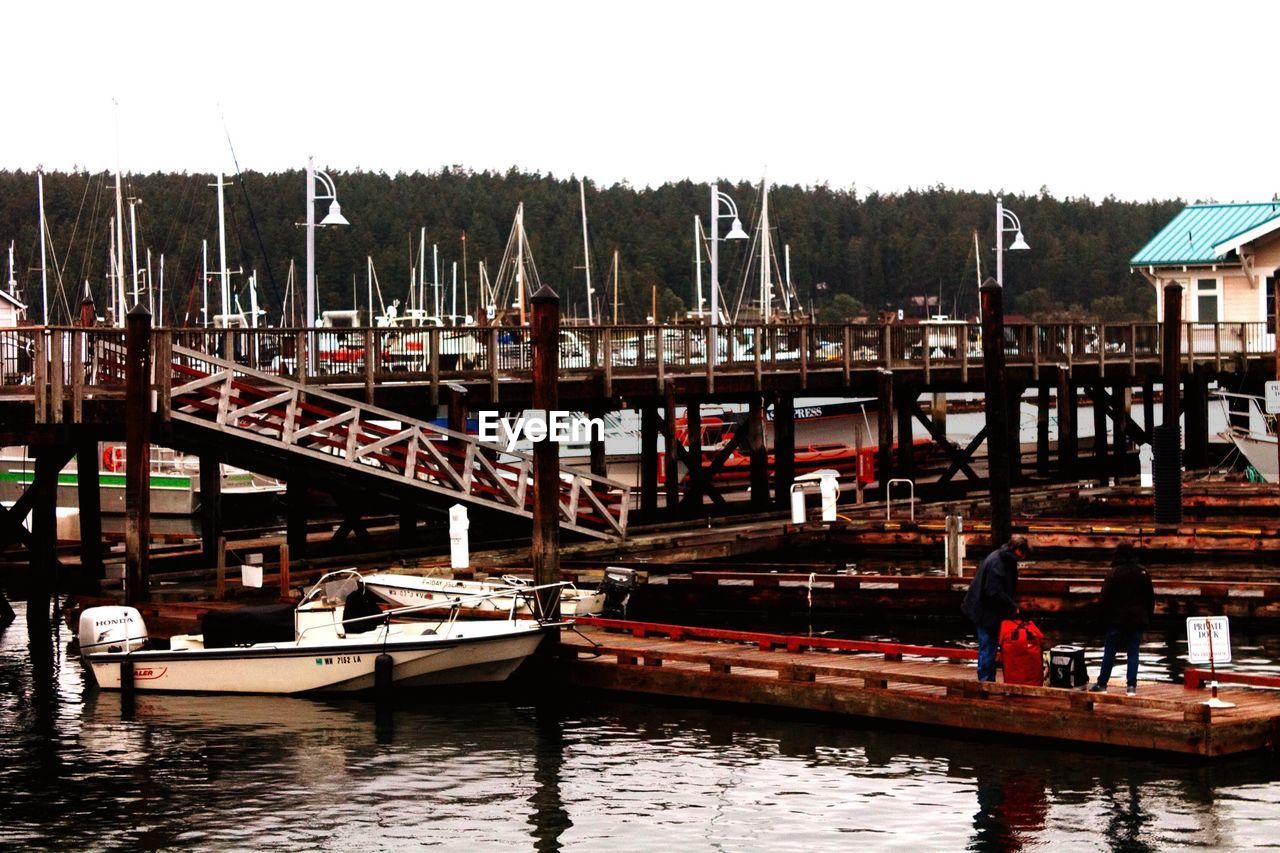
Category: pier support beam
<point>784,449</point>
<point>43,550</point>
<point>210,506</point>
<point>599,462</point>
<point>938,414</point>
<point>89,499</point>
<point>670,451</point>
<point>759,453</point>
<point>296,497</point>
<point>1121,407</point>
<point>1068,444</point>
<point>137,456</point>
<point>1097,393</point>
<point>545,332</point>
<point>1042,430</point>
<point>693,430</point>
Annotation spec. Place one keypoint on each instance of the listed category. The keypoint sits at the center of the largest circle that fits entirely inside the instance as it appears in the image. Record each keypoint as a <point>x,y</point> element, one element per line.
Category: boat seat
<point>360,602</point>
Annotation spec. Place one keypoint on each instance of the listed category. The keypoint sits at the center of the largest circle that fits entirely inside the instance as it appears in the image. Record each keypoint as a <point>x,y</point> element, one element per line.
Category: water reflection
<point>510,770</point>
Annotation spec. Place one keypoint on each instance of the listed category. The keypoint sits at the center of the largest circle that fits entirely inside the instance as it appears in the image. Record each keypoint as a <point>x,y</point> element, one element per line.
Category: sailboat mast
<point>422,270</point>
<point>133,247</point>
<point>222,252</point>
<point>160,297</point>
<point>454,309</point>
<point>119,250</point>
<point>466,303</point>
<point>586,248</point>
<point>368,272</point>
<point>204,282</point>
<point>520,259</point>
<point>435,279</point>
<point>786,294</point>
<point>44,272</point>
<point>697,259</point>
<point>615,287</point>
<point>766,284</point>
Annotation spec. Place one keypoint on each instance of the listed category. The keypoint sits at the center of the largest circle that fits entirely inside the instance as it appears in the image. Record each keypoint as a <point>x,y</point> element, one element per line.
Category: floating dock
<point>916,685</point>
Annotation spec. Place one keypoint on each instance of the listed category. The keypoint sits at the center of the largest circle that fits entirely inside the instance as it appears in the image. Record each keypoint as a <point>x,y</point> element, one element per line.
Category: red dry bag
<point>1020,644</point>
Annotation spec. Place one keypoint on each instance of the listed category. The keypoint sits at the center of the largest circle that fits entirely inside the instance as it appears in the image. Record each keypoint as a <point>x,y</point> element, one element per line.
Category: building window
<point>1207,300</point>
<point>1270,304</point>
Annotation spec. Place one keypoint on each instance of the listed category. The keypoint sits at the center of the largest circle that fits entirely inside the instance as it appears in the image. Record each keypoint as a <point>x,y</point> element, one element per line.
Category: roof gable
<point>1199,231</point>
<point>13,299</point>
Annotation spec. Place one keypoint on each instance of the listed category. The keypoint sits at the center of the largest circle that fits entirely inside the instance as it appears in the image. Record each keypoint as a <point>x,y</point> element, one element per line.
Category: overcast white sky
<point>1138,100</point>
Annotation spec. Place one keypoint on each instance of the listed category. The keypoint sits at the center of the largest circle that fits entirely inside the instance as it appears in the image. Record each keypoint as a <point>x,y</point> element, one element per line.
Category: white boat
<point>338,639</point>
<point>1253,432</point>
<point>496,597</point>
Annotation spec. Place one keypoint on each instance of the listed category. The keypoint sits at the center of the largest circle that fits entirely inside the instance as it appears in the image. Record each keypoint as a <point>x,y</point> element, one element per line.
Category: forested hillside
<point>849,252</point>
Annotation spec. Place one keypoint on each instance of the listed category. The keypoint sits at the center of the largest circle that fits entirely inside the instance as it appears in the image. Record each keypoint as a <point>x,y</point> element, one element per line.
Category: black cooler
<point>1066,667</point>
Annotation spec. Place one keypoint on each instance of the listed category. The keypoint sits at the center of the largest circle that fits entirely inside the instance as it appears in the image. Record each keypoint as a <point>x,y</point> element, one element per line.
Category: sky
<point>1136,100</point>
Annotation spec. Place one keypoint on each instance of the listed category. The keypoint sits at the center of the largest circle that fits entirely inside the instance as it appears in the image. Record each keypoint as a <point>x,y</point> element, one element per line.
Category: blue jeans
<point>1127,638</point>
<point>988,643</point>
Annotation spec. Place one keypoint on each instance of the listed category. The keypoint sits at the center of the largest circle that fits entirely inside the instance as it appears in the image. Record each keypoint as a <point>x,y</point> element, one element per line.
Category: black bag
<point>1066,667</point>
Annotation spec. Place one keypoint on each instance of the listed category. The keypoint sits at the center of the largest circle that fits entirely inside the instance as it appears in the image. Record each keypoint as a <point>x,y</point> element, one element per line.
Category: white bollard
<point>798,514</point>
<point>459,539</point>
<point>1145,456</point>
<point>829,487</point>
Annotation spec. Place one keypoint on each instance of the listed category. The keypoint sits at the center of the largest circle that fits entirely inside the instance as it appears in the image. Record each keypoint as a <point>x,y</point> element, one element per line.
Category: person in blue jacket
<point>992,598</point>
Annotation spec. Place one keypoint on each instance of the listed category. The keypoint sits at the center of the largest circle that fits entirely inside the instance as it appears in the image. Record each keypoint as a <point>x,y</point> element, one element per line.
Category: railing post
<point>1102,350</point>
<point>493,363</point>
<point>56,366</point>
<point>78,340</point>
<point>757,344</point>
<point>709,351</point>
<point>804,356</point>
<point>658,355</point>
<point>1217,347</point>
<point>886,346</point>
<point>608,361</point>
<point>369,353</point>
<point>300,354</point>
<point>433,341</point>
<point>1132,345</point>
<point>846,343</point>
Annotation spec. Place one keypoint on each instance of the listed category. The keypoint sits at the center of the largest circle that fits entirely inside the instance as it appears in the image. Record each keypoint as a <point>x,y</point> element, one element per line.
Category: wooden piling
<point>210,505</point>
<point>1100,454</point>
<point>693,429</point>
<point>1068,445</point>
<point>759,453</point>
<point>670,442</point>
<point>137,458</point>
<point>904,400</point>
<point>89,499</point>
<point>884,423</point>
<point>1196,419</point>
<point>43,553</point>
<point>648,459</point>
<point>1042,430</point>
<point>599,462</point>
<point>784,449</point>
<point>545,334</point>
<point>1171,353</point>
<point>995,401</point>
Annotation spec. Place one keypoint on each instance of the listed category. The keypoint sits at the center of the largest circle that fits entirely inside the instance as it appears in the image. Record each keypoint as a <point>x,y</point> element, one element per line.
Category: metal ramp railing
<point>212,393</point>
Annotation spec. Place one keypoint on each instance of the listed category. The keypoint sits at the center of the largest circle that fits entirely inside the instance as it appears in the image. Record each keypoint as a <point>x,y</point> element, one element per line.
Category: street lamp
<point>334,217</point>
<point>735,233</point>
<point>1006,221</point>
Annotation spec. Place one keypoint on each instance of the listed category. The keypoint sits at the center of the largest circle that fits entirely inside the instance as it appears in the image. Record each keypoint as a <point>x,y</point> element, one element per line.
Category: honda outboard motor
<point>618,584</point>
<point>111,629</point>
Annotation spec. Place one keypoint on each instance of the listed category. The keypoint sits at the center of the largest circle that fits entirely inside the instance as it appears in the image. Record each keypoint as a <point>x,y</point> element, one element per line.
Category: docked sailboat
<point>336,640</point>
<point>1253,432</point>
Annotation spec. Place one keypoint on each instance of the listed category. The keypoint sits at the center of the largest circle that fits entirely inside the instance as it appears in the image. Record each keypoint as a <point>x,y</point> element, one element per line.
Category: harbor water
<point>502,771</point>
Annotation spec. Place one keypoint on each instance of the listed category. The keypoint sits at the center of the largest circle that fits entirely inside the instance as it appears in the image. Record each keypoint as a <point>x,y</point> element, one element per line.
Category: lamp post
<point>1006,221</point>
<point>735,233</point>
<point>334,217</point>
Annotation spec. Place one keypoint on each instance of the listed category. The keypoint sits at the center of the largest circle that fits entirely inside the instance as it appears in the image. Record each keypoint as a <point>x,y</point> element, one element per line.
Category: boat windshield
<point>333,588</point>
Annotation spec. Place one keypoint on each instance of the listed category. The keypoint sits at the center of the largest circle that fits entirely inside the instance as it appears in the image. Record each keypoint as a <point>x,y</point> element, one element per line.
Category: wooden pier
<point>913,685</point>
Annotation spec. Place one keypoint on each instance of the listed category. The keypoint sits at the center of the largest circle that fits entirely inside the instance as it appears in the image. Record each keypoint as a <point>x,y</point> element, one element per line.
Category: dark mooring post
<point>670,448</point>
<point>1195,414</point>
<point>1122,399</point>
<point>904,397</point>
<point>996,401</point>
<point>137,456</point>
<point>784,449</point>
<point>1100,429</point>
<point>89,495</point>
<point>759,453</point>
<point>648,460</point>
<point>1167,443</point>
<point>884,427</point>
<point>1068,447</point>
<point>545,331</point>
<point>44,539</point>
<point>599,463</point>
<point>210,506</point>
<point>693,429</point>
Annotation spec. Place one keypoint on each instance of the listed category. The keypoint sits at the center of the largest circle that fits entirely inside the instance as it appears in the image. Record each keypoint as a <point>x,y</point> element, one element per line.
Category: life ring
<point>113,458</point>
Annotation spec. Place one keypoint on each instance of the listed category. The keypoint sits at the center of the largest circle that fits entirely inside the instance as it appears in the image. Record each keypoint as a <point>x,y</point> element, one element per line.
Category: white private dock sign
<point>1208,639</point>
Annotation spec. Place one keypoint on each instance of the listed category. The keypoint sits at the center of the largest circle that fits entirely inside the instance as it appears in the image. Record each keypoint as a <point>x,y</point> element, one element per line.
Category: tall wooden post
<point>884,424</point>
<point>996,401</point>
<point>759,453</point>
<point>545,332</point>
<point>1195,414</point>
<point>1171,354</point>
<point>939,413</point>
<point>43,554</point>
<point>210,506</point>
<point>1042,429</point>
<point>1167,447</point>
<point>648,459</point>
<point>137,456</point>
<point>903,398</point>
<point>89,496</point>
<point>1014,403</point>
<point>784,449</point>
<point>1100,429</point>
<point>1122,398</point>
<point>1148,404</point>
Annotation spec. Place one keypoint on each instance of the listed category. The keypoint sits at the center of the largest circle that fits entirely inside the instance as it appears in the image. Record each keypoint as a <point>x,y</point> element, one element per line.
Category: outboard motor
<point>111,629</point>
<point>618,584</point>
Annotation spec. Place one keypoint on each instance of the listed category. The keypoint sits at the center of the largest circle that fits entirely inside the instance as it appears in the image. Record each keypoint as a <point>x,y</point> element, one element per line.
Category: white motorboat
<point>1253,432</point>
<point>339,640</point>
<point>487,596</point>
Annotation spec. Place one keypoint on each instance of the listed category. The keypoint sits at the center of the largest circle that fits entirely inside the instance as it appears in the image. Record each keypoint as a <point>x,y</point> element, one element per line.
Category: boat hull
<point>470,654</point>
<point>411,591</point>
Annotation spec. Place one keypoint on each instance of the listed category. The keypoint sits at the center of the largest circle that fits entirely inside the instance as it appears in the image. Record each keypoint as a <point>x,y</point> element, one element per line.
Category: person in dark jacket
<point>992,598</point>
<point>1128,600</point>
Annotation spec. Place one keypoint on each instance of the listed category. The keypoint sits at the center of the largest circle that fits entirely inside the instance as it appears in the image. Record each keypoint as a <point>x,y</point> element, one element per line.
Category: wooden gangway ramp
<point>918,685</point>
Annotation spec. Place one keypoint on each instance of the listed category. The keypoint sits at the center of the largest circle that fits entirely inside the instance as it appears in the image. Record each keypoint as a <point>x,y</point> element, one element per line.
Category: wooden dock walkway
<point>915,685</point>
